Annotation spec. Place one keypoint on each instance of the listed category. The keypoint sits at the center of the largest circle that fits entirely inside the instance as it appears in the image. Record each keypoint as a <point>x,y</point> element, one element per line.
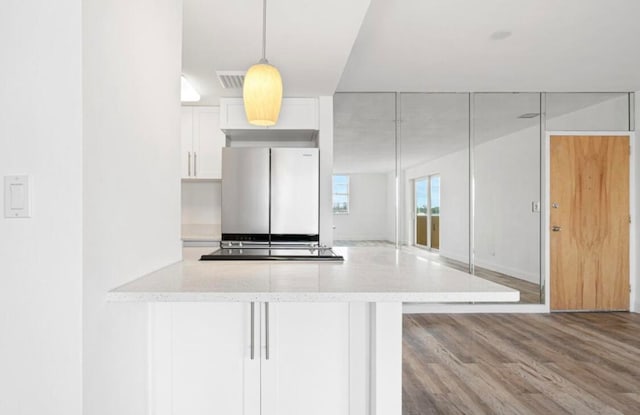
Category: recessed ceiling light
<point>529,115</point>
<point>500,35</point>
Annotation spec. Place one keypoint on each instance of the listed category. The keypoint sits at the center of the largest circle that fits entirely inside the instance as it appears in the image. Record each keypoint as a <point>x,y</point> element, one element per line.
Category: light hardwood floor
<point>582,363</point>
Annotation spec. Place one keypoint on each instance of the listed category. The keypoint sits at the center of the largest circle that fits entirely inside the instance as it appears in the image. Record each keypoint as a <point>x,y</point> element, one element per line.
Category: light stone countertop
<point>368,274</point>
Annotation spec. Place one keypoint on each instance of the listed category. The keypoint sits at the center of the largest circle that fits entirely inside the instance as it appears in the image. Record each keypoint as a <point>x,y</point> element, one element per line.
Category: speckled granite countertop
<point>368,274</point>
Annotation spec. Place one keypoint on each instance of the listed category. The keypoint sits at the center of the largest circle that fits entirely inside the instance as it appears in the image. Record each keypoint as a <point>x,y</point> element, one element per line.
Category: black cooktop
<point>272,254</point>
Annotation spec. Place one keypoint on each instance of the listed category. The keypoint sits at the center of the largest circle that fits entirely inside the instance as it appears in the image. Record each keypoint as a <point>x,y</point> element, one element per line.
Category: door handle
<point>253,325</point>
<point>195,164</point>
<point>556,228</point>
<point>189,163</point>
<point>266,331</point>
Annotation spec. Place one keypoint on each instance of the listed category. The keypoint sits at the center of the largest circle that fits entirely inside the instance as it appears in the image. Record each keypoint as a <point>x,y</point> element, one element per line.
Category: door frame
<point>547,210</point>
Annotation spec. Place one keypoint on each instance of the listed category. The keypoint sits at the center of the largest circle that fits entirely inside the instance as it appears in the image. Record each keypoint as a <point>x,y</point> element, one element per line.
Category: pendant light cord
<point>264,30</point>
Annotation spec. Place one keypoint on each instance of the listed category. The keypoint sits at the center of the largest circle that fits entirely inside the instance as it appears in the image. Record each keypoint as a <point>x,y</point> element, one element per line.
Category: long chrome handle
<point>189,163</point>
<point>266,332</point>
<point>195,164</point>
<point>253,325</point>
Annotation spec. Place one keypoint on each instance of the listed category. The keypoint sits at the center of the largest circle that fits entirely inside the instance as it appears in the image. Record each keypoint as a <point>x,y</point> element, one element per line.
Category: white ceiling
<point>447,45</point>
<point>308,41</point>
<point>417,45</point>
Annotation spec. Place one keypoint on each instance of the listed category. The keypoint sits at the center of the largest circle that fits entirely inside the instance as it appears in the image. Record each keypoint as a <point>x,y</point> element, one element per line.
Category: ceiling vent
<point>231,79</point>
<point>529,115</point>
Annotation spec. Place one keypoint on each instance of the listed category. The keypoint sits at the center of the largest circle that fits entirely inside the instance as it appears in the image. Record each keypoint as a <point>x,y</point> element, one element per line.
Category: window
<point>340,194</point>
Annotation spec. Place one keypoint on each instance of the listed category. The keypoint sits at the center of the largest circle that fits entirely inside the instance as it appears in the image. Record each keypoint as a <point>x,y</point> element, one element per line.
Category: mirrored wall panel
<point>507,193</point>
<point>364,169</point>
<point>580,111</point>
<point>457,177</point>
<point>434,175</point>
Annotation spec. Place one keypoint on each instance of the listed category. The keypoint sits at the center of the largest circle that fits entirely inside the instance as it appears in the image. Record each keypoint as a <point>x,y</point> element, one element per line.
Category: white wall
<point>507,181</point>
<point>368,216</point>
<point>201,202</point>
<point>131,78</point>
<point>454,203</point>
<point>41,257</point>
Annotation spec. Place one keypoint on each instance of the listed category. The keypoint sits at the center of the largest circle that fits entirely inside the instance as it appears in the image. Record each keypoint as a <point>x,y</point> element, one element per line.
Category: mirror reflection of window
<point>427,212</point>
<point>434,152</point>
<point>421,213</point>
<point>364,150</point>
<point>434,211</point>
<point>340,194</point>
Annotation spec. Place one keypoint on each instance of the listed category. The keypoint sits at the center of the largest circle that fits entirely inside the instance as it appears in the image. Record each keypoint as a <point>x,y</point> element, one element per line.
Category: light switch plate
<point>17,197</point>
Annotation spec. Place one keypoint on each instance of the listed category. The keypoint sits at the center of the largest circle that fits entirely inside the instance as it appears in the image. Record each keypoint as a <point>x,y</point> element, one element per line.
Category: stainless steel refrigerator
<point>270,195</point>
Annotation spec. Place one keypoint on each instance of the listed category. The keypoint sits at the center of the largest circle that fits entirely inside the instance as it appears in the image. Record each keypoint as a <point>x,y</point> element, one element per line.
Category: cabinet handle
<point>189,163</point>
<point>253,324</point>
<point>266,335</point>
<point>195,164</point>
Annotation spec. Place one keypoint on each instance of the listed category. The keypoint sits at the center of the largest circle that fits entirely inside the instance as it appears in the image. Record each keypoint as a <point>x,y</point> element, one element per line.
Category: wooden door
<point>590,223</point>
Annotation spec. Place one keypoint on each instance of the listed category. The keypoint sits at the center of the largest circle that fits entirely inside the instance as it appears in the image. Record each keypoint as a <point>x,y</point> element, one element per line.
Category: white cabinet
<point>308,367</point>
<point>202,362</point>
<point>202,142</point>
<point>295,114</point>
<point>202,359</point>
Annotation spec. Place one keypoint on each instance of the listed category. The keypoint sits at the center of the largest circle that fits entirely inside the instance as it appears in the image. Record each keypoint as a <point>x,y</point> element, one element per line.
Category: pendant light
<point>262,90</point>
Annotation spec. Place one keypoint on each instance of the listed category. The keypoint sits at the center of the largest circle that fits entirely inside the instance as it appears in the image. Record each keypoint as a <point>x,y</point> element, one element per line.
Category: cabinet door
<point>208,143</point>
<point>307,371</point>
<point>186,140</point>
<point>210,370</point>
<point>295,114</point>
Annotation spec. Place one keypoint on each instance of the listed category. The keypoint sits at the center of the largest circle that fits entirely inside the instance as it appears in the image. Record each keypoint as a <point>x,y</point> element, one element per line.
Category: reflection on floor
<point>529,292</point>
<point>582,363</point>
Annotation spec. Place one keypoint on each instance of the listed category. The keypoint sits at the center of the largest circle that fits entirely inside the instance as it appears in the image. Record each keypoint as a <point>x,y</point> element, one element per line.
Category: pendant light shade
<point>262,93</point>
<point>262,90</point>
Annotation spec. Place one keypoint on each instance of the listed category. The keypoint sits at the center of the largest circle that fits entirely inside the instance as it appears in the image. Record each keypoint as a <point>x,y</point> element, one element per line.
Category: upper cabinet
<point>202,142</point>
<point>296,114</point>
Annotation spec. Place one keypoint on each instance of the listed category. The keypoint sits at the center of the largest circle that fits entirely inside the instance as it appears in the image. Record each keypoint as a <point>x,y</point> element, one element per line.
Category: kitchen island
<point>289,337</point>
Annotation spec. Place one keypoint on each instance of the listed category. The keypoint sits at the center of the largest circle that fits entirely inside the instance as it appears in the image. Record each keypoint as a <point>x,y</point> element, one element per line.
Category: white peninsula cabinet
<point>328,343</point>
<point>202,142</point>
<point>299,359</point>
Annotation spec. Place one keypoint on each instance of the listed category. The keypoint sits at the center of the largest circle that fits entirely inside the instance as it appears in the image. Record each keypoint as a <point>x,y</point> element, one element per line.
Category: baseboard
<point>512,272</point>
<point>355,238</point>
<point>456,257</point>
<point>428,308</point>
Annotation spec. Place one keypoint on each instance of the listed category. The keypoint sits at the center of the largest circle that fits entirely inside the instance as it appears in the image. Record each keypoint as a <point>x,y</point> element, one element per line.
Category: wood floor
<point>578,363</point>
